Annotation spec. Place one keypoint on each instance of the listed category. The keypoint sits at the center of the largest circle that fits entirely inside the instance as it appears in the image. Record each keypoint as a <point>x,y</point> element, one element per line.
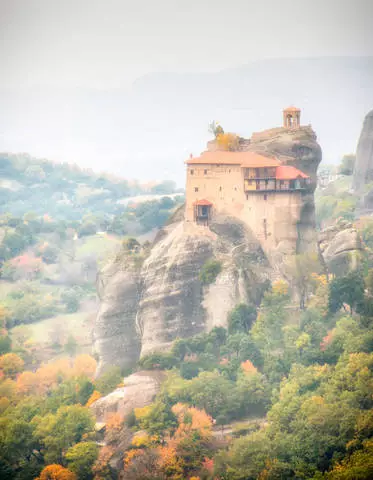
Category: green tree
<point>160,420</point>
<point>81,458</point>
<point>347,164</point>
<point>60,431</point>
<point>241,318</point>
<point>349,290</point>
<point>209,271</point>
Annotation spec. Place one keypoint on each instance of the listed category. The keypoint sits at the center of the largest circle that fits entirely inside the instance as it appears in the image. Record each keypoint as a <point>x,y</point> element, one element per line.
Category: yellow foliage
<point>4,404</point>
<point>8,389</point>
<point>142,412</point>
<point>95,396</point>
<point>143,440</point>
<point>227,141</point>
<point>280,287</point>
<point>11,364</point>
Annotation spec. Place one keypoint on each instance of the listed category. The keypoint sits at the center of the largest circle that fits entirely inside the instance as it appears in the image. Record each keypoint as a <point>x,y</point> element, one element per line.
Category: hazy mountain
<point>148,131</point>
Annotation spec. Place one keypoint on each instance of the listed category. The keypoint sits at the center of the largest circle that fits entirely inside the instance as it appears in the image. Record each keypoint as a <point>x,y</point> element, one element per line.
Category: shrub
<point>210,271</point>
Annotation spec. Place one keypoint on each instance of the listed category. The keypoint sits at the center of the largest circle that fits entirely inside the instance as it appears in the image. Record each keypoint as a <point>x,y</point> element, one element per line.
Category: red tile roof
<point>288,172</point>
<point>244,159</point>
<point>292,109</point>
<point>202,203</point>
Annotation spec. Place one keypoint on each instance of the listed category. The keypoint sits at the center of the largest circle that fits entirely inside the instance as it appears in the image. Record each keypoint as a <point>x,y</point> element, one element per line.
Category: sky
<point>109,43</point>
<point>76,83</point>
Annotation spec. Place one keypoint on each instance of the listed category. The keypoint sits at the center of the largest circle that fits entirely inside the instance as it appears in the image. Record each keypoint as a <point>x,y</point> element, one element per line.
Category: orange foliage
<point>248,367</point>
<point>327,340</point>
<point>85,365</point>
<point>131,454</point>
<point>56,472</point>
<point>280,287</point>
<point>191,418</point>
<point>114,422</point>
<point>27,383</point>
<point>95,396</point>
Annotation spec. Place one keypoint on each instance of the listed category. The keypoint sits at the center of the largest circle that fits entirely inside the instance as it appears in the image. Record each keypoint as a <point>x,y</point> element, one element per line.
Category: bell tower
<point>291,117</point>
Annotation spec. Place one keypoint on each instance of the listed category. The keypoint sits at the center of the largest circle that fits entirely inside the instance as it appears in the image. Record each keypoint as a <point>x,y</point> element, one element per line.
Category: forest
<point>285,391</point>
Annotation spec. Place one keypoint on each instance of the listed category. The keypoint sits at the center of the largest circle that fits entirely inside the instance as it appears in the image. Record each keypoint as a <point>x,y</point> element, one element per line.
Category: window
<point>265,197</point>
<point>247,196</point>
<point>192,172</point>
<point>205,172</point>
<point>196,189</point>
<point>220,189</point>
<point>229,171</point>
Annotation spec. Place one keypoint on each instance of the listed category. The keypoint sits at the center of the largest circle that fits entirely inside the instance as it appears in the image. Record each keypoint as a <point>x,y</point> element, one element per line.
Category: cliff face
<point>363,171</point>
<point>145,308</point>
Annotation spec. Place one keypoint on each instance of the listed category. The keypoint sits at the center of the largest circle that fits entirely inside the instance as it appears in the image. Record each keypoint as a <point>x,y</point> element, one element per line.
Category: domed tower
<point>291,117</point>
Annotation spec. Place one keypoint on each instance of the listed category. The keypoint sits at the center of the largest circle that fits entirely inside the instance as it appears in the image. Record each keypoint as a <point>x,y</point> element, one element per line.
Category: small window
<point>229,171</point>
<point>192,172</point>
<point>247,196</point>
<point>196,189</point>
<point>265,197</point>
<point>205,172</point>
<point>220,189</point>
<point>235,188</point>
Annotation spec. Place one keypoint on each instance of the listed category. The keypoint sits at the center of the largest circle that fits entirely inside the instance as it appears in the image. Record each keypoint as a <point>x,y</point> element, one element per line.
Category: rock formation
<point>363,171</point>
<point>340,246</point>
<point>146,307</point>
<point>139,390</point>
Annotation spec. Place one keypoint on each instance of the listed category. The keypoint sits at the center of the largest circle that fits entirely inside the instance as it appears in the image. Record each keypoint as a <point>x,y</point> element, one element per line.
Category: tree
<point>349,290</point>
<point>81,458</point>
<point>60,431</point>
<point>131,245</point>
<point>11,364</point>
<point>301,269</point>
<point>209,271</point>
<point>215,128</point>
<point>160,419</point>
<point>241,318</point>
<point>108,381</point>
<point>228,141</point>
<point>56,472</point>
<point>347,164</point>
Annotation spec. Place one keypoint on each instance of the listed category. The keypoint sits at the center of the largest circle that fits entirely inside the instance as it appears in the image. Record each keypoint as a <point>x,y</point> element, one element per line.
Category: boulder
<point>139,391</point>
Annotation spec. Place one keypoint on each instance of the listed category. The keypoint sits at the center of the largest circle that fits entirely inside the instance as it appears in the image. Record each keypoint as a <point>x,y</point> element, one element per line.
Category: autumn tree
<point>56,472</point>
<point>11,364</point>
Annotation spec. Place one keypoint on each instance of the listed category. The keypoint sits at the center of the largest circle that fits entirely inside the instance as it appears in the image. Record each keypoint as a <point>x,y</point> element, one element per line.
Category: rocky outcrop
<point>139,390</point>
<point>116,340</point>
<point>340,246</point>
<point>146,307</point>
<point>363,170</point>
